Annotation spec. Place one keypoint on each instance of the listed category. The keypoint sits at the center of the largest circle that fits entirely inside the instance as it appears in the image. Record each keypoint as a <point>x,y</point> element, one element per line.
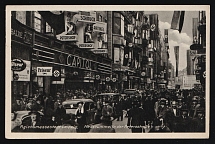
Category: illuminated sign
<point>99,51</point>
<point>84,18</point>
<point>86,45</point>
<point>79,62</point>
<point>67,37</point>
<point>100,27</point>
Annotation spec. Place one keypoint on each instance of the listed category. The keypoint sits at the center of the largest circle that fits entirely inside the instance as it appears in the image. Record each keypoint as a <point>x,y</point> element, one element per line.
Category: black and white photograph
<point>91,71</point>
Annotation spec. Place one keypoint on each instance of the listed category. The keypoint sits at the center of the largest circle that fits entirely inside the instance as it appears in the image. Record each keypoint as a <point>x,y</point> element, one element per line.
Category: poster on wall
<point>23,75</point>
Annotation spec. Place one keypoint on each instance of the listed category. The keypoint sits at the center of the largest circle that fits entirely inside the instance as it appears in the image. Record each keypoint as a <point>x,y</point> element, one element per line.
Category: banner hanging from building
<point>177,20</point>
<point>195,28</point>
<point>166,35</point>
<point>176,49</point>
<point>23,75</point>
<point>153,26</point>
<point>56,73</point>
<point>126,56</point>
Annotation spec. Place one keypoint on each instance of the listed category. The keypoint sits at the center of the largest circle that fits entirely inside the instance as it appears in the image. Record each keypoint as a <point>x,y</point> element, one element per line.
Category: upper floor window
<point>37,22</point>
<point>100,18</point>
<point>118,24</point>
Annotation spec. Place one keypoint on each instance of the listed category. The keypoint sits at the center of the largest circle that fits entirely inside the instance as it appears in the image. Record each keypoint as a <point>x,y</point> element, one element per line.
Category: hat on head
<point>34,112</point>
<point>162,102</point>
<point>80,103</point>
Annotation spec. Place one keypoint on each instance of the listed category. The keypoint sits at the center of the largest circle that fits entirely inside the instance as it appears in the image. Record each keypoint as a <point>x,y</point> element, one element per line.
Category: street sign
<point>44,71</point>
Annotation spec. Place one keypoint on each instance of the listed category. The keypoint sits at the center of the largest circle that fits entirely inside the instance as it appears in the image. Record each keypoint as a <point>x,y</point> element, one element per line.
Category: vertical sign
<point>153,26</point>
<point>56,73</point>
<point>176,49</point>
<point>166,35</point>
<point>195,27</point>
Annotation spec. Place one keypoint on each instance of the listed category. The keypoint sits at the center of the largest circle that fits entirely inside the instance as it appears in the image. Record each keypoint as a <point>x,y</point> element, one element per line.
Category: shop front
<point>21,45</point>
<point>79,69</point>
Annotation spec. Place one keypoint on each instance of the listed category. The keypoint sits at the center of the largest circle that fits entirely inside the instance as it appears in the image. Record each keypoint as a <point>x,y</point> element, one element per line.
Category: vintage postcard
<point>107,71</point>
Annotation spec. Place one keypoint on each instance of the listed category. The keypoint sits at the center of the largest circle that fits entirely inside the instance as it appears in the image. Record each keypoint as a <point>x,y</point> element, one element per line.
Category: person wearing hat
<point>16,106</point>
<point>136,117</point>
<point>33,121</point>
<point>183,121</point>
<point>68,125</point>
<point>148,106</point>
<point>107,110</point>
<point>198,123</point>
<point>81,117</point>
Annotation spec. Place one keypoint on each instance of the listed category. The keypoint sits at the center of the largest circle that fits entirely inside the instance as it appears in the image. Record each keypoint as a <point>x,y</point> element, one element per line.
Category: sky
<point>183,39</point>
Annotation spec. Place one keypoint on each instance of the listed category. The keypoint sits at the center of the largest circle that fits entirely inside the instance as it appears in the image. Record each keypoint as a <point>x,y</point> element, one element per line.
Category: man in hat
<point>148,106</point>
<point>34,121</point>
<point>16,106</point>
<point>81,117</point>
<point>104,127</point>
<point>183,121</point>
<point>198,123</point>
<point>107,110</point>
<point>136,117</point>
<point>68,125</point>
<point>59,112</point>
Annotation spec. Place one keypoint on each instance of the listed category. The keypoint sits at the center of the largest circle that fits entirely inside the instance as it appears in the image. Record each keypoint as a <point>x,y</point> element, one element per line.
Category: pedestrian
<point>16,106</point>
<point>104,127</point>
<point>68,125</point>
<point>119,110</point>
<point>136,117</point>
<point>34,122</point>
<point>148,106</point>
<point>59,112</point>
<point>107,110</point>
<point>81,117</point>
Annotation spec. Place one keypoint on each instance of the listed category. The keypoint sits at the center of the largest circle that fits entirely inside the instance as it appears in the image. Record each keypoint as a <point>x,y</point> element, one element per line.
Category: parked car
<point>89,107</point>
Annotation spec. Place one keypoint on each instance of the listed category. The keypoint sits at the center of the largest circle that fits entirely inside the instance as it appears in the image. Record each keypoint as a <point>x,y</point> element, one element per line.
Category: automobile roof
<point>109,94</point>
<point>79,100</point>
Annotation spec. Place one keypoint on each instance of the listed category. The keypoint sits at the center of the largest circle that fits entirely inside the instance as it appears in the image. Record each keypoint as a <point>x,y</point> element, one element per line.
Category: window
<point>49,29</point>
<point>100,18</point>
<point>37,22</point>
<point>118,24</point>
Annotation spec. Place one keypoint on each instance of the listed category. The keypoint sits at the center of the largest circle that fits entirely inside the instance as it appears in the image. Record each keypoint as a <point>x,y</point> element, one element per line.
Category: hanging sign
<point>67,37</point>
<point>44,71</point>
<point>86,45</point>
<point>99,51</point>
<point>23,75</point>
<point>100,27</point>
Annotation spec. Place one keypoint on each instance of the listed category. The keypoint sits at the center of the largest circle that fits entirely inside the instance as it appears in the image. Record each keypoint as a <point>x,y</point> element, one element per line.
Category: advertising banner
<point>100,27</point>
<point>166,35</point>
<point>195,28</point>
<point>23,75</point>
<point>153,26</point>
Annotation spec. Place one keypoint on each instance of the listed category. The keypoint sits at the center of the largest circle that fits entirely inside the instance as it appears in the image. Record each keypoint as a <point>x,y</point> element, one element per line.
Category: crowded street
<point>108,71</point>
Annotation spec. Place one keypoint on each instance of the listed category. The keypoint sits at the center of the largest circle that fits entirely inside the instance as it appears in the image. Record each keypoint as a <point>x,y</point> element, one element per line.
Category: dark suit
<point>136,117</point>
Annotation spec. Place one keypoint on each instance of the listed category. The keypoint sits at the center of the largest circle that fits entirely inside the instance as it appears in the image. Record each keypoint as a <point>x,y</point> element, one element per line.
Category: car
<point>89,106</point>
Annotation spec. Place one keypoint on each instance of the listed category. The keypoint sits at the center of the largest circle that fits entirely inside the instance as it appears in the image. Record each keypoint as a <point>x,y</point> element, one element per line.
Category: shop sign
<point>99,51</point>
<point>84,18</point>
<point>44,71</point>
<point>79,62</point>
<point>23,75</point>
<point>86,45</point>
<point>19,33</point>
<point>67,37</point>
<point>100,27</point>
<point>17,64</point>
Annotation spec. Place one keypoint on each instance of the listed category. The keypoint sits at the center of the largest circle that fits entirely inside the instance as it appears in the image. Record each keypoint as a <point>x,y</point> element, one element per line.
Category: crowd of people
<point>158,110</point>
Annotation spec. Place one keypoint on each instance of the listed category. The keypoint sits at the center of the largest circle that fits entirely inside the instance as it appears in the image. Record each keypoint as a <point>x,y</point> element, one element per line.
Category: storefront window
<point>118,24</point>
